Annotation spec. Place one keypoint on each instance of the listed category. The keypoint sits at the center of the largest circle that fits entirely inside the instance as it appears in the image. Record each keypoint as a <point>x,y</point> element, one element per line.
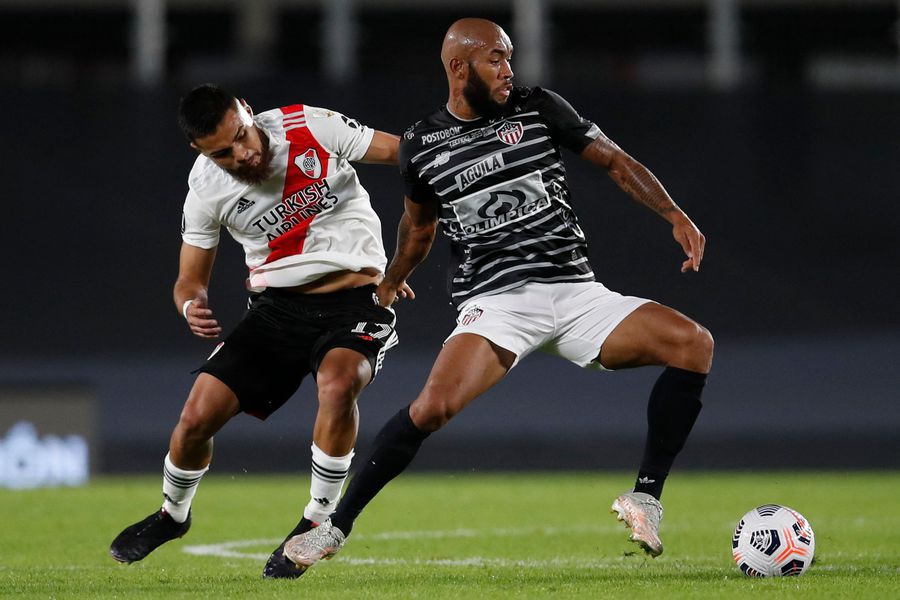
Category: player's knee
<point>194,425</point>
<point>705,344</point>
<point>430,420</point>
<point>338,390</point>
<point>431,411</point>
<point>692,348</point>
<point>698,343</point>
<point>207,409</point>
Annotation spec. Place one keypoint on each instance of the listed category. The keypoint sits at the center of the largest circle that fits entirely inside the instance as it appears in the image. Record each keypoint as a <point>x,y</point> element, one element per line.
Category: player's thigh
<point>519,320</point>
<point>352,348</point>
<point>467,366</point>
<point>266,357</point>
<point>587,314</point>
<point>651,335</point>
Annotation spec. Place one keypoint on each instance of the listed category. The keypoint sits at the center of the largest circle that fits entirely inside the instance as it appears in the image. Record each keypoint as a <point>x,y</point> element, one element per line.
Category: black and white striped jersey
<point>503,194</point>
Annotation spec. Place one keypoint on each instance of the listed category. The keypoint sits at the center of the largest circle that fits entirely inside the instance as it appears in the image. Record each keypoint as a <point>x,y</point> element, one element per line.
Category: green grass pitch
<point>463,535</point>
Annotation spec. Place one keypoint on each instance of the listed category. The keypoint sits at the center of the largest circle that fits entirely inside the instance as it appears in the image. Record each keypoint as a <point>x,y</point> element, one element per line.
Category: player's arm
<point>639,183</point>
<point>383,149</point>
<point>194,272</point>
<point>415,234</point>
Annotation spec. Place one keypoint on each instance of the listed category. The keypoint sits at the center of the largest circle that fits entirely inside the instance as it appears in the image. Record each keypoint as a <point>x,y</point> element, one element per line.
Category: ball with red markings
<point>773,541</point>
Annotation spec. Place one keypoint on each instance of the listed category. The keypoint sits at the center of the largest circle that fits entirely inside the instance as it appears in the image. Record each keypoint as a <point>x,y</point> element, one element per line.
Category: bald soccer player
<point>487,167</point>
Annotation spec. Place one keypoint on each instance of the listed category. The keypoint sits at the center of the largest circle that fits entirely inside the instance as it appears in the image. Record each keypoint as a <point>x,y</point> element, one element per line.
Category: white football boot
<point>642,513</point>
<point>308,548</point>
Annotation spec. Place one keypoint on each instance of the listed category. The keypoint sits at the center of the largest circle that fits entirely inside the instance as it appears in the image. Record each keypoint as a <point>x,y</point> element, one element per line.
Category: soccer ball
<point>773,541</point>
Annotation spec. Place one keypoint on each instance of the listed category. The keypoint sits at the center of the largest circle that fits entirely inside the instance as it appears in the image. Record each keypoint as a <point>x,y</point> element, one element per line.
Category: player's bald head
<point>469,35</point>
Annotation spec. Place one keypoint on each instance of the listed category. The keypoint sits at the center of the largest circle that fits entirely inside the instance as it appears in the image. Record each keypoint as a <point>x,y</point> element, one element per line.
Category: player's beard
<point>478,94</point>
<point>254,175</point>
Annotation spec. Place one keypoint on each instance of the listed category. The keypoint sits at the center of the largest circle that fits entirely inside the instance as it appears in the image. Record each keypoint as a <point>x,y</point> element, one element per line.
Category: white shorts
<point>571,320</point>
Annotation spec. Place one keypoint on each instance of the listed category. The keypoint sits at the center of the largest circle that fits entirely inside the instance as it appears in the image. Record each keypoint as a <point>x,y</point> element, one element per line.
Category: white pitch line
<point>227,550</point>
<point>232,549</point>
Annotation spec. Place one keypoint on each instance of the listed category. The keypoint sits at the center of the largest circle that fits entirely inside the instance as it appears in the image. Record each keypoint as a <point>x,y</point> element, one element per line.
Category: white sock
<point>328,476</point>
<point>179,487</point>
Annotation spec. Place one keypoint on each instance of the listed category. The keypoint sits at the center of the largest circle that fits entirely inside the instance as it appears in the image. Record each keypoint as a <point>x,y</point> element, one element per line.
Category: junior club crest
<point>510,133</point>
<point>471,316</point>
<point>308,162</point>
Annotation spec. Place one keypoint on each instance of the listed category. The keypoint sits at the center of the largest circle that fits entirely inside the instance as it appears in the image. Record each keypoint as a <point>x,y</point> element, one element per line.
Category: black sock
<point>671,413</point>
<point>394,448</point>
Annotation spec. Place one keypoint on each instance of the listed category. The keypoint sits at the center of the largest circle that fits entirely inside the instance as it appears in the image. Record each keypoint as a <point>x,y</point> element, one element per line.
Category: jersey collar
<point>458,118</point>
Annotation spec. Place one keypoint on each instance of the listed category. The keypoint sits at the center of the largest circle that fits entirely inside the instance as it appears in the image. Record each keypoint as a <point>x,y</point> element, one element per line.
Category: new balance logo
<point>244,204</point>
<point>646,480</point>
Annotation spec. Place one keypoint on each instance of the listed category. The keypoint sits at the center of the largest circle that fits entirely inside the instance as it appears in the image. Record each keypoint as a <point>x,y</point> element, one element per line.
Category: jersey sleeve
<point>339,134</point>
<point>198,228</point>
<point>414,187</point>
<point>568,128</point>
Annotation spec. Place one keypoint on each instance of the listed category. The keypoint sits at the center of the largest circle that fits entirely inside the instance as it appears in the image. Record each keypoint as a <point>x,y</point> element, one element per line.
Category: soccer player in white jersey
<point>487,167</point>
<point>281,183</point>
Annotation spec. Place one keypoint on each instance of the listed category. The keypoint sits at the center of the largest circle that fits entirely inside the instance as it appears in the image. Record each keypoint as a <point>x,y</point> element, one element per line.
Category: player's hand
<point>692,242</point>
<point>388,293</point>
<point>405,292</point>
<point>199,318</point>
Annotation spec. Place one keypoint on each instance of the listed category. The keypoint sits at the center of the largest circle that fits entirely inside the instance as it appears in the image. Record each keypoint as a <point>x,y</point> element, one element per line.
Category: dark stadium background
<point>791,172</point>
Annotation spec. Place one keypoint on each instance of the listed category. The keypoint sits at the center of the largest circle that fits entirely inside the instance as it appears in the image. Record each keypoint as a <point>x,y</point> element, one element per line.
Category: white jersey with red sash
<point>310,218</point>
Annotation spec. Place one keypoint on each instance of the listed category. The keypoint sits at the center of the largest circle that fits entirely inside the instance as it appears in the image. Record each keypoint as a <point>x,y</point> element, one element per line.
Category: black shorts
<point>285,335</point>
